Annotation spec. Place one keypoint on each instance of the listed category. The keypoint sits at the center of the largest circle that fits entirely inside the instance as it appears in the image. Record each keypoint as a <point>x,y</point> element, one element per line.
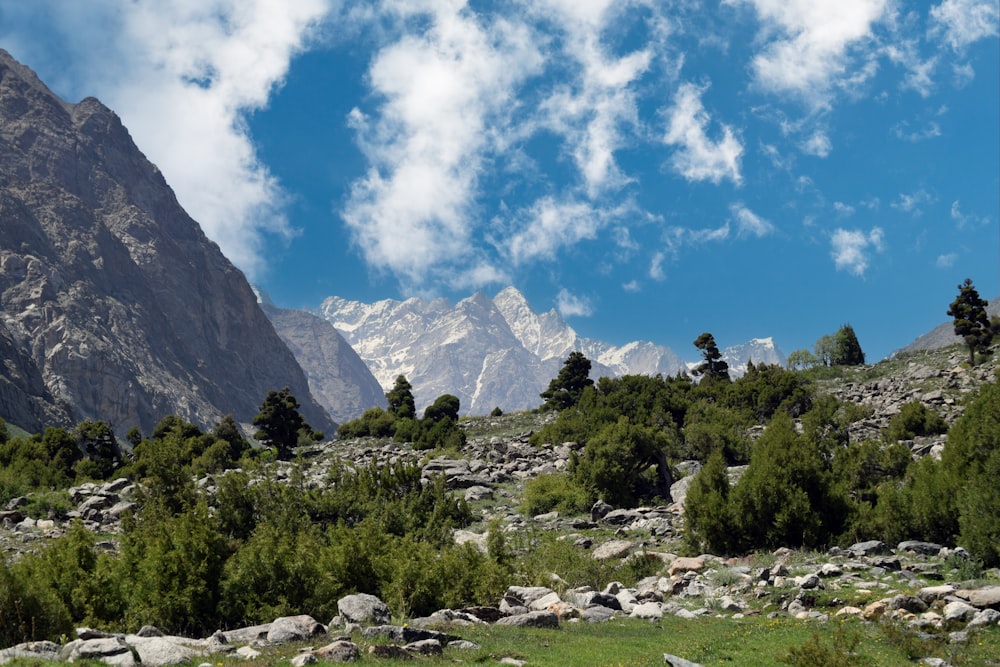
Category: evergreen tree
<point>971,320</point>
<point>566,388</point>
<point>279,423</point>
<point>846,348</point>
<point>713,367</point>
<point>401,403</point>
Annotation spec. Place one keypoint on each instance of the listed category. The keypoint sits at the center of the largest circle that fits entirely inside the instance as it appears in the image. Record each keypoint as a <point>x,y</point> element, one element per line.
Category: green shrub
<point>623,463</point>
<point>554,491</point>
<point>29,612</point>
<point>914,419</point>
<point>709,524</point>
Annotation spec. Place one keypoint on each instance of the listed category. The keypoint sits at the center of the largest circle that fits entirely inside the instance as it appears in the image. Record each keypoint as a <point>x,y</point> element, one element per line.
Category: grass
<point>748,642</point>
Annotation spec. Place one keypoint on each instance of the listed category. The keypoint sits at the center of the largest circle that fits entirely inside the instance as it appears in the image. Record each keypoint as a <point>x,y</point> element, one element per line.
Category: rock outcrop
<point>115,305</point>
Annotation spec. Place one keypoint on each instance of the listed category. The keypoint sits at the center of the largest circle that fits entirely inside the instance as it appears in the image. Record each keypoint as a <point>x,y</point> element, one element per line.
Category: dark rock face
<point>338,378</point>
<point>115,305</point>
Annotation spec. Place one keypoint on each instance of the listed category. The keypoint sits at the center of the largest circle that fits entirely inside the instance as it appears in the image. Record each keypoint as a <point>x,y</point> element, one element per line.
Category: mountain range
<point>114,305</point>
<point>494,352</point>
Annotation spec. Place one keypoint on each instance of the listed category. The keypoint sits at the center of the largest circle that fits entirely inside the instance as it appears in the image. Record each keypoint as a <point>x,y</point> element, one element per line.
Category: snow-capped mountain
<point>757,350</point>
<point>493,352</point>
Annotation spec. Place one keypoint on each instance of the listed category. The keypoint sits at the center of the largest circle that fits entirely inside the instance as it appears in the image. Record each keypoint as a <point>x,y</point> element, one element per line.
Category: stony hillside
<point>927,588</point>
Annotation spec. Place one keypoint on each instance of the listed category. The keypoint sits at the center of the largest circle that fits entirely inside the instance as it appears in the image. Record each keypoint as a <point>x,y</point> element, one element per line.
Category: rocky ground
<point>926,587</point>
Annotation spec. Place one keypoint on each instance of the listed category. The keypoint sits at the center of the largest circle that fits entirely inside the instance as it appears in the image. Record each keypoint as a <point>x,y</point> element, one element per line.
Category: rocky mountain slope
<point>494,352</point>
<point>115,305</point>
<point>943,335</point>
<point>338,378</point>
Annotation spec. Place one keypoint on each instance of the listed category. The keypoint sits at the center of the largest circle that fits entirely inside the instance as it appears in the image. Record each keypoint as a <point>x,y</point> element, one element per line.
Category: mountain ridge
<point>115,305</point>
<point>493,352</point>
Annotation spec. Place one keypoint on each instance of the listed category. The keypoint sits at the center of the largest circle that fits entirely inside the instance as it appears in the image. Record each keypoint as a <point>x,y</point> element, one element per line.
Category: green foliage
<point>29,612</point>
<point>972,322</point>
<point>496,412</point>
<point>281,425</point>
<point>98,441</point>
<point>764,389</point>
<point>555,492</point>
<point>713,368</point>
<point>839,349</point>
<point>914,419</point>
<point>800,359</point>
<point>624,462</point>
<point>840,651</point>
<point>709,525</point>
<point>374,422</point>
<point>565,390</point>
<point>710,427</point>
<point>400,398</point>
<point>787,496</point>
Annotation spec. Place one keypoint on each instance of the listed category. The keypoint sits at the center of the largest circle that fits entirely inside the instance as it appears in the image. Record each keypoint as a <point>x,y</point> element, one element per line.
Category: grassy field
<point>748,642</point>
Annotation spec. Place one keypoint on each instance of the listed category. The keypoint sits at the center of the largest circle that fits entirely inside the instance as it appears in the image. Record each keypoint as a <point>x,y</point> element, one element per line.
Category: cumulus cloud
<point>442,94</point>
<point>550,224</point>
<point>597,104</point>
<point>809,46</point>
<point>571,305</point>
<point>902,131</point>
<point>697,157</point>
<point>817,144</point>
<point>962,22</point>
<point>852,249</point>
<point>183,76</point>
<point>749,223</point>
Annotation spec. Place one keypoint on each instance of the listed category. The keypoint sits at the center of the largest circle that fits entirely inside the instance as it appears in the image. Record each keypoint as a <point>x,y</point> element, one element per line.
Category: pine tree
<point>713,367</point>
<point>280,423</point>
<point>401,403</point>
<point>971,320</point>
<point>565,389</point>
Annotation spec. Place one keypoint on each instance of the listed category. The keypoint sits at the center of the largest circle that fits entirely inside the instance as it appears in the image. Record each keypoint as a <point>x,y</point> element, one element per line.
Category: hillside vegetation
<point>211,533</point>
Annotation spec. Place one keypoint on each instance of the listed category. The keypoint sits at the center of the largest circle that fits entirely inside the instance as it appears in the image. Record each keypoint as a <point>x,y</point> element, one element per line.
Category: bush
<point>554,492</point>
<point>914,420</point>
<point>624,463</point>
<point>709,525</point>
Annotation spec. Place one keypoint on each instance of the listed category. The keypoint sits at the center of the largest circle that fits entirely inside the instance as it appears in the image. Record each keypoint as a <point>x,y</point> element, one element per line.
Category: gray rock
<point>160,651</point>
<point>613,550</point>
<point>533,619</point>
<point>925,548</point>
<point>988,596</point>
<point>869,548</point>
<point>303,659</point>
<point>294,629</point>
<point>424,647</point>
<point>339,651</point>
<point>674,661</point>
<point>957,612</point>
<point>363,608</point>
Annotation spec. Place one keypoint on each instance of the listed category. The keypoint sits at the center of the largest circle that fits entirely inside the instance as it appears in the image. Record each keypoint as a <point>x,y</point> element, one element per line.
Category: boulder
<point>613,550</point>
<point>533,619</point>
<point>338,651</point>
<point>293,629</point>
<point>363,608</point>
<point>160,651</point>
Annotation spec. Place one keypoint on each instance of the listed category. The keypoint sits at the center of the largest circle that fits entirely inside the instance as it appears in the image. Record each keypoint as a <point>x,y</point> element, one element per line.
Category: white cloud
<point>962,22</point>
<point>749,223</point>
<point>698,158</point>
<point>946,261</point>
<point>843,210</point>
<point>902,131</point>
<point>443,97</point>
<point>851,249</point>
<point>632,286</point>
<point>183,76</point>
<point>548,225</point>
<point>594,109</point>
<point>809,45</point>
<point>963,220</point>
<point>656,271</point>
<point>571,305</point>
<point>913,203</point>
<point>919,71</point>
<point>817,144</point>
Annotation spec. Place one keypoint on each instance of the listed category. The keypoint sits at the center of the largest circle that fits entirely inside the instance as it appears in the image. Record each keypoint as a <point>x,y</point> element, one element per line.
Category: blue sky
<point>652,169</point>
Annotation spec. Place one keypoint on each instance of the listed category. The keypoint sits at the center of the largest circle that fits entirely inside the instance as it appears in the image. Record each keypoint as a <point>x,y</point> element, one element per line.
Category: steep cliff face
<point>338,378</point>
<point>111,294</point>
